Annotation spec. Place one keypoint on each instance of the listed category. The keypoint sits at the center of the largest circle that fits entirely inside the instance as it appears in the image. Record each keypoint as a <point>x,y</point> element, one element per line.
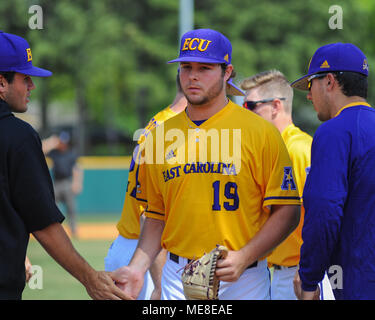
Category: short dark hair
<point>8,75</point>
<point>352,83</point>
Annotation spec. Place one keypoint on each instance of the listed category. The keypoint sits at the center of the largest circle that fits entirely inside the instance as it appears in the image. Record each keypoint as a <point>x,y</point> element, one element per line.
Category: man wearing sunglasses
<point>270,95</point>
<point>339,229</point>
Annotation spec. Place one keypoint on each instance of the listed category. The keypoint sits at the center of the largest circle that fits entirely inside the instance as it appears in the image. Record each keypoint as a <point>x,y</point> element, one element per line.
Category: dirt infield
<point>95,231</point>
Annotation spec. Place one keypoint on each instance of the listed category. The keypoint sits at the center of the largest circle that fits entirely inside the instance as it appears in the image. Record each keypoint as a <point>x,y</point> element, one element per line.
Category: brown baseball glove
<point>199,279</point>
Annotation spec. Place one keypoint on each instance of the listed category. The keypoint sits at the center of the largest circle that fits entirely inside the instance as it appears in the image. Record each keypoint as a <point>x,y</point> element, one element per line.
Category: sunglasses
<point>315,76</point>
<point>250,105</point>
<point>320,75</point>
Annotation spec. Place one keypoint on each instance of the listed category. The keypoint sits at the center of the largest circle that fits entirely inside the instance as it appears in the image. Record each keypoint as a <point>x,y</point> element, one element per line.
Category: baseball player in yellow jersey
<point>129,225</point>
<point>215,174</point>
<point>270,95</point>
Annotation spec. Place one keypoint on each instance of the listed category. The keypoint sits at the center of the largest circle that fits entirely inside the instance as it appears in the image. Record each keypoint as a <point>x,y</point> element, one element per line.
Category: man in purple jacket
<point>339,195</point>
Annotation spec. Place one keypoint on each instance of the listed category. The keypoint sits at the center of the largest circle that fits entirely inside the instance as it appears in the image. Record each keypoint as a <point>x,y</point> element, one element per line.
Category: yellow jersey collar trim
<point>286,129</point>
<point>353,104</point>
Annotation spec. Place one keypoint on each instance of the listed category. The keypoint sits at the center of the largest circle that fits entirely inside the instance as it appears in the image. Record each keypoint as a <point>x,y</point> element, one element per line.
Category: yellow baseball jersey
<point>214,183</point>
<point>298,144</point>
<point>129,223</point>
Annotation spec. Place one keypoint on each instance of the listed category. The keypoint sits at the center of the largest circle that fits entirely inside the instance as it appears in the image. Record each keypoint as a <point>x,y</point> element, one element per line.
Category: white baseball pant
<point>282,287</point>
<point>254,283</point>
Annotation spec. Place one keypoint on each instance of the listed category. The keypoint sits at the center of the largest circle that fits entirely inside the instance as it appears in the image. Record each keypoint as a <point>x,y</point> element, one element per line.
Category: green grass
<point>58,284</point>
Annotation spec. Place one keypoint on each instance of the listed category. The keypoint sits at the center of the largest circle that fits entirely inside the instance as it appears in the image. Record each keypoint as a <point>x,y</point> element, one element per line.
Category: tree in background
<point>109,57</point>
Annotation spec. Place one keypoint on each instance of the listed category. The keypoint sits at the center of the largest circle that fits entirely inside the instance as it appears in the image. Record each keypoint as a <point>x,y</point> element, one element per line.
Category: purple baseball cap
<point>15,55</point>
<point>206,46</point>
<point>334,57</point>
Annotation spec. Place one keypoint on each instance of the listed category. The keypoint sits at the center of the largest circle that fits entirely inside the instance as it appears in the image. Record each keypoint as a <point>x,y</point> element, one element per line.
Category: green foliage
<point>113,53</point>
<point>283,35</point>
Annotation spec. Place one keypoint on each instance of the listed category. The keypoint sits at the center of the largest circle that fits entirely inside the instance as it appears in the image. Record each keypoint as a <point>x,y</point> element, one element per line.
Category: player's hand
<point>28,267</point>
<point>301,294</point>
<point>231,268</point>
<point>128,280</point>
<point>100,286</point>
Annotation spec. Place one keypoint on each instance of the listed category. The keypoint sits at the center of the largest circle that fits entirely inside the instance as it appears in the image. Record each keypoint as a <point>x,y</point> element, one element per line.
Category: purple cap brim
<point>301,83</point>
<point>233,90</point>
<point>34,71</point>
<point>197,59</point>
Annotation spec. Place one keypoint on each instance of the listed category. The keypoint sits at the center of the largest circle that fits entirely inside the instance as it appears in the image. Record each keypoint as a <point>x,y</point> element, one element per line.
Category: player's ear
<point>276,106</point>
<point>3,85</point>
<point>228,72</point>
<point>2,81</point>
<point>331,81</point>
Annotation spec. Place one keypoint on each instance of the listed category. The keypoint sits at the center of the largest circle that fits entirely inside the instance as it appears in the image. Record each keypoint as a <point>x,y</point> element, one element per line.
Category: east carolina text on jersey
<point>198,167</point>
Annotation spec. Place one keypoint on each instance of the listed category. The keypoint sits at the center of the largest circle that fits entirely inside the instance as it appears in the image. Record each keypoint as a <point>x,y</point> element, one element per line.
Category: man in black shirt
<point>27,203</point>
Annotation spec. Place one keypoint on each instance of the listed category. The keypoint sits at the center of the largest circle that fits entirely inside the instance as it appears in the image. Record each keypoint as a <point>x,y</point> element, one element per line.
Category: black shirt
<point>63,163</point>
<point>27,201</point>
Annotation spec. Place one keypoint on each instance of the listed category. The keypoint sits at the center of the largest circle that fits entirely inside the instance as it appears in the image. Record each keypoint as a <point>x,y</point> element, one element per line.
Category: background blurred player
<point>67,177</point>
<point>233,202</point>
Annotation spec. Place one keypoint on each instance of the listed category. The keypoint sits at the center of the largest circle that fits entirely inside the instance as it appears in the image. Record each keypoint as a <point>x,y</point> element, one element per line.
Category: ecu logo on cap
<point>29,55</point>
<point>196,43</point>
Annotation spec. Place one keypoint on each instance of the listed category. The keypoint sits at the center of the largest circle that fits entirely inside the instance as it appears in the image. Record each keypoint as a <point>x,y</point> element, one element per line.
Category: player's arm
<point>283,220</point>
<point>156,272</point>
<point>325,194</point>
<point>99,285</point>
<point>156,268</point>
<point>149,244</point>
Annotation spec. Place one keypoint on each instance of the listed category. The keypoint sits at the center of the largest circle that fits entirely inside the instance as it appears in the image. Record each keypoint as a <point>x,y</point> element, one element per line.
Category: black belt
<point>277,267</point>
<point>176,258</point>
